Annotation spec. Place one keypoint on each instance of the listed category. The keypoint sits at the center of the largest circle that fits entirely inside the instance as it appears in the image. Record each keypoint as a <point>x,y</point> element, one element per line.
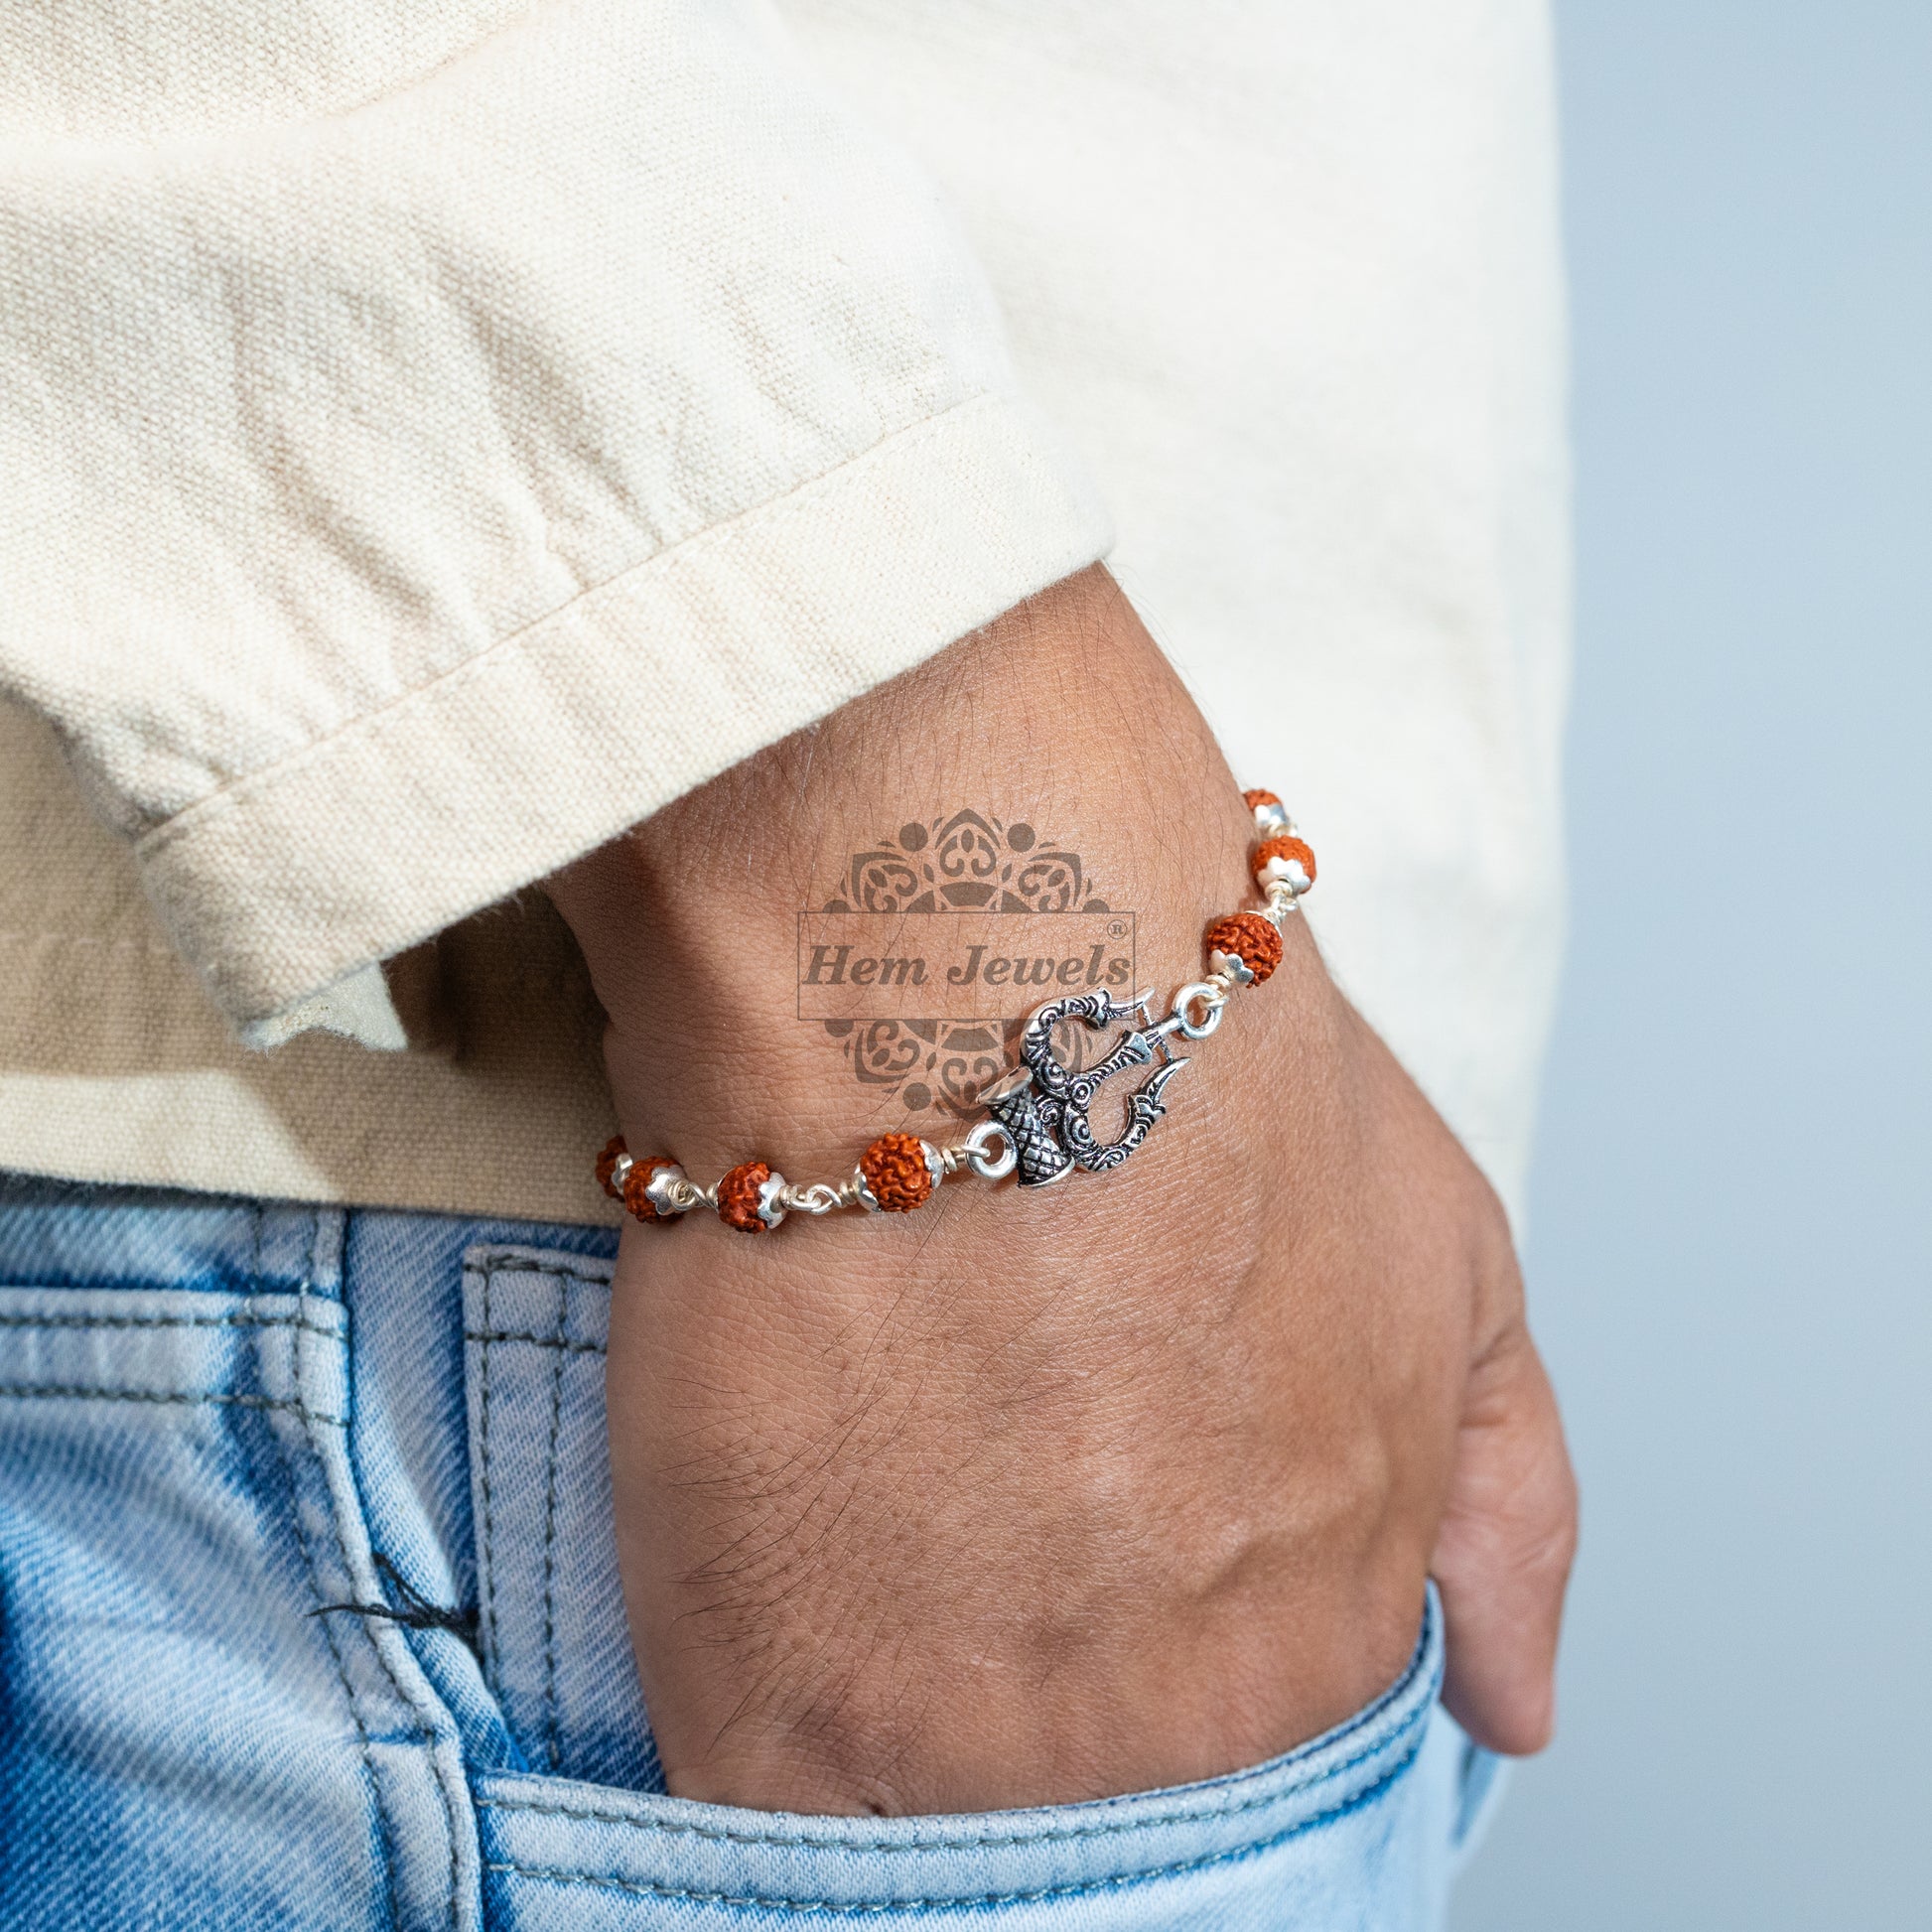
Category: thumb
<point>1502,1557</point>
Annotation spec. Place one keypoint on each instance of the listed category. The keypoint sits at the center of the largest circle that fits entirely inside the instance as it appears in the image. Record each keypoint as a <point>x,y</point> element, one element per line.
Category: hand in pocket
<point>1025,1500</point>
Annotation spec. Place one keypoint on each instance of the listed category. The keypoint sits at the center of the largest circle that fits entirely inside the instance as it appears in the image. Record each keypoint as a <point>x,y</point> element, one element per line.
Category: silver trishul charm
<point>1044,1106</point>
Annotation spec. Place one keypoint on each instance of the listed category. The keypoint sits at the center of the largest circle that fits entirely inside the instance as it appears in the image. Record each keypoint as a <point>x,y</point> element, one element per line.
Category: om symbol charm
<point>1043,1105</point>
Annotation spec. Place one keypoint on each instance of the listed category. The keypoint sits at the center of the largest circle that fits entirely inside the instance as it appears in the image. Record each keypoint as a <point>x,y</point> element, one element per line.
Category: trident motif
<point>1044,1106</point>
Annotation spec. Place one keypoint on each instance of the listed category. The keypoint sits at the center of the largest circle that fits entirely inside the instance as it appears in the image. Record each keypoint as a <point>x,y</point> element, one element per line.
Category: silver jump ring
<point>991,1166</point>
<point>1199,993</point>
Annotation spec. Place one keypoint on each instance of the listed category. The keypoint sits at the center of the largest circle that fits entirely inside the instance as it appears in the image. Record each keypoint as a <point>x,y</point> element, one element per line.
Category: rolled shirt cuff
<point>555,739</point>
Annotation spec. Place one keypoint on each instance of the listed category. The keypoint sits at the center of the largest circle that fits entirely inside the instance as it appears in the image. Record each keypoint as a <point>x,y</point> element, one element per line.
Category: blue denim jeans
<point>310,1617</point>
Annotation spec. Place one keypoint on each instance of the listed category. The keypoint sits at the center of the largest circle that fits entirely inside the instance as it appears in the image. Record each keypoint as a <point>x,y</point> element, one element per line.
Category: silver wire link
<point>821,1198</point>
<point>1282,901</point>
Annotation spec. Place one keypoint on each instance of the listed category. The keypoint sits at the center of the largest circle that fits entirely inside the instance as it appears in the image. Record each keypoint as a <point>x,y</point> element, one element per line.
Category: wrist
<point>691,924</point>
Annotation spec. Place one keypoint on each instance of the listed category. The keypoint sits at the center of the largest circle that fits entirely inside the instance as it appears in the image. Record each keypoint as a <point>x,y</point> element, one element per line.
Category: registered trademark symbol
<point>1117,930</point>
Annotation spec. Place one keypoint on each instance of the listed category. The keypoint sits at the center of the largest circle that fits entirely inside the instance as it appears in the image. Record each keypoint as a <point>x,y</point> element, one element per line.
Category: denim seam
<point>500,1261</point>
<point>131,1280</point>
<point>425,1732</point>
<point>990,1841</point>
<point>536,1342</point>
<point>307,1415</point>
<point>1050,1835</point>
<point>1088,1887</point>
<point>482,1459</point>
<point>550,1528</point>
<point>164,1322</point>
<point>490,1265</point>
<point>287,1464</point>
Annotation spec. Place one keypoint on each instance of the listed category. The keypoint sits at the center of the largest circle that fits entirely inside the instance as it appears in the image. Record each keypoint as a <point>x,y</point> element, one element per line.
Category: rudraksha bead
<point>742,1197</point>
<point>1271,815</point>
<point>897,1173</point>
<point>636,1187</point>
<point>606,1165</point>
<point>1291,861</point>
<point>1248,938</point>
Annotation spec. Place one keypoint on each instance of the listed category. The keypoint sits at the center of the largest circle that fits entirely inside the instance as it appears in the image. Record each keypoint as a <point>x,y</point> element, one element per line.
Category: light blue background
<point>1731,1240</point>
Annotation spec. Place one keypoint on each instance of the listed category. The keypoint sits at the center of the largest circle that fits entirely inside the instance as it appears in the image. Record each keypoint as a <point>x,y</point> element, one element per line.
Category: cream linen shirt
<point>433,436</point>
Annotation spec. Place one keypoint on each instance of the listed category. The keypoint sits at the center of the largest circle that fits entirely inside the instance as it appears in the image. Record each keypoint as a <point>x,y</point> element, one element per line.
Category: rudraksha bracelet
<point>1037,1122</point>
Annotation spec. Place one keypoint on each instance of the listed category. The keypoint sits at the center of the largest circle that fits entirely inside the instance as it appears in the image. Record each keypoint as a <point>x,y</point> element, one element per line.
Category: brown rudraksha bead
<point>1251,938</point>
<point>1289,851</point>
<point>738,1197</point>
<point>607,1166</point>
<point>896,1171</point>
<point>635,1183</point>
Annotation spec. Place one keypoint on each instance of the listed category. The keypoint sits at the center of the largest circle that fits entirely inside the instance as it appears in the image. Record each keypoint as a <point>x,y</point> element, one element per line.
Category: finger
<point>1503,1558</point>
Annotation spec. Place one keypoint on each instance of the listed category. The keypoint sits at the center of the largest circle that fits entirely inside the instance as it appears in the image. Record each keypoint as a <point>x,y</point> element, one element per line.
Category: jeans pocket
<point>1356,1829</point>
<point>1352,1830</point>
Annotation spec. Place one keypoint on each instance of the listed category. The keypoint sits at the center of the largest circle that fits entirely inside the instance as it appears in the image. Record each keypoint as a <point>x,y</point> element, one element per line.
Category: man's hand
<point>1028,1499</point>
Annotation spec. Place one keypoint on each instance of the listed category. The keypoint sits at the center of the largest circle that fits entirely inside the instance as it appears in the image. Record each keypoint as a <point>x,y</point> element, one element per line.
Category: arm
<point>1018,1501</point>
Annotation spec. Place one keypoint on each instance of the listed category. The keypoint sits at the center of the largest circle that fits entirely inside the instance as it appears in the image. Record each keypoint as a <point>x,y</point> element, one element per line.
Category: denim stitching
<point>287,1462</point>
<point>500,1261</point>
<point>483,1458</point>
<point>425,1732</point>
<point>27,1390</point>
<point>164,1322</point>
<point>1089,1887</point>
<point>550,1529</point>
<point>1052,1836</point>
<point>535,1341</point>
<point>490,1263</point>
<point>989,1841</point>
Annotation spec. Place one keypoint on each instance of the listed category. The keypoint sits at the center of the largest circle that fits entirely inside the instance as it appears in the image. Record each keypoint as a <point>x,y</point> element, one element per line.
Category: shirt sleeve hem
<point>552,742</point>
